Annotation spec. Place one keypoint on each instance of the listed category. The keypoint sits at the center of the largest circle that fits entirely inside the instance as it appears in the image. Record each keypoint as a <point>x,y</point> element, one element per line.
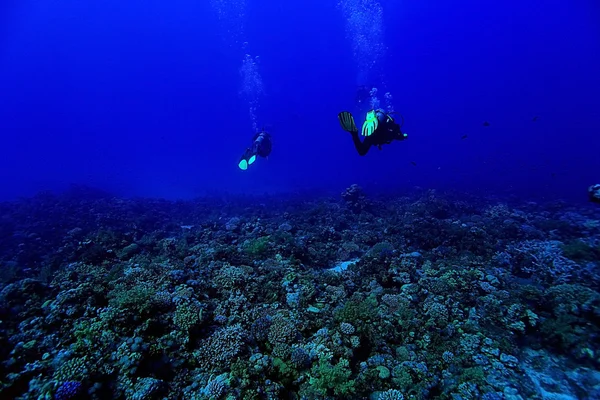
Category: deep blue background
<point>142,97</point>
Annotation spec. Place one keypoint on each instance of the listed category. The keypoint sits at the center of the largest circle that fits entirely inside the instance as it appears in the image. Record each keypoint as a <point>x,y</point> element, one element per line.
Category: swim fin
<point>371,123</point>
<point>347,122</point>
<point>247,159</point>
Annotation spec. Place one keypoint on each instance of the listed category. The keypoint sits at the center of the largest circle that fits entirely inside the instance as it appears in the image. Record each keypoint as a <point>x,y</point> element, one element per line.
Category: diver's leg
<point>361,147</point>
<point>247,159</point>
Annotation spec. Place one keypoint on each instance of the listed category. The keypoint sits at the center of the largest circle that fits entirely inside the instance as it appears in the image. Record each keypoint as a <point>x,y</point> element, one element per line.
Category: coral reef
<point>427,295</point>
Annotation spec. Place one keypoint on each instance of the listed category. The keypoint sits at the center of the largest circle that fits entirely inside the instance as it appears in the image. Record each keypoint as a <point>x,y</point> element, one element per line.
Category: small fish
<point>463,137</point>
<point>486,123</point>
<point>535,118</point>
<point>413,163</point>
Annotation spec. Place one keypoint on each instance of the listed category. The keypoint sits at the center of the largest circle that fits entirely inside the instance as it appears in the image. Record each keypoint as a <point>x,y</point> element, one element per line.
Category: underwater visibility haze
<point>345,199</point>
<point>153,98</point>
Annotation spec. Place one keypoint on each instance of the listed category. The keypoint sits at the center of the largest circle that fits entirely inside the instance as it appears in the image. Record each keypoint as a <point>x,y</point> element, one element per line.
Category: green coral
<point>383,372</point>
<point>567,325</point>
<point>358,312</point>
<point>401,378</point>
<point>93,334</point>
<point>72,370</point>
<point>330,379</point>
<point>187,316</point>
<point>571,298</point>
<point>230,277</point>
<point>128,251</point>
<point>241,371</point>
<point>474,375</point>
<point>138,298</point>
<point>282,330</point>
<point>381,249</point>
<point>286,373</point>
<point>257,247</point>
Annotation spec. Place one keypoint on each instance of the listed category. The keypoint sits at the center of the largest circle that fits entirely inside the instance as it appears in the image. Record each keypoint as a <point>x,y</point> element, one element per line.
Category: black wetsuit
<point>261,146</point>
<point>387,131</point>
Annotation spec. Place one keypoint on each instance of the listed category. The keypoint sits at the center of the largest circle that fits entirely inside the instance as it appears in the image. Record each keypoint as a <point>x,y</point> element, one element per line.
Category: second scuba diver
<point>378,129</point>
<point>261,146</point>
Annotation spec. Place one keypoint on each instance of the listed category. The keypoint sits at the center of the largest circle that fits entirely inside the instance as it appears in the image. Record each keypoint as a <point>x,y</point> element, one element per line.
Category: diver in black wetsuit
<point>261,146</point>
<point>378,129</point>
<point>594,193</point>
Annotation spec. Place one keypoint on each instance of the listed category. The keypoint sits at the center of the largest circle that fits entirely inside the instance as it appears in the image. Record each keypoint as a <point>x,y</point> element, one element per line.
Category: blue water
<point>149,98</point>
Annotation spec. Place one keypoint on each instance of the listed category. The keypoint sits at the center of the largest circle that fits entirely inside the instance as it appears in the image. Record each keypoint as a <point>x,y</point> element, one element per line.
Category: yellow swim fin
<point>371,123</point>
<point>347,122</point>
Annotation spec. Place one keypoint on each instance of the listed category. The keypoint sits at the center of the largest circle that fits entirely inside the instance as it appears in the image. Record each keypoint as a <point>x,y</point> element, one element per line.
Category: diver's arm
<point>362,147</point>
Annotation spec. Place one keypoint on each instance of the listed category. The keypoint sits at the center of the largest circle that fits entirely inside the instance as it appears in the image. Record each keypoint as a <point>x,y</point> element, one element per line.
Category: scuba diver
<point>261,146</point>
<point>378,129</point>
